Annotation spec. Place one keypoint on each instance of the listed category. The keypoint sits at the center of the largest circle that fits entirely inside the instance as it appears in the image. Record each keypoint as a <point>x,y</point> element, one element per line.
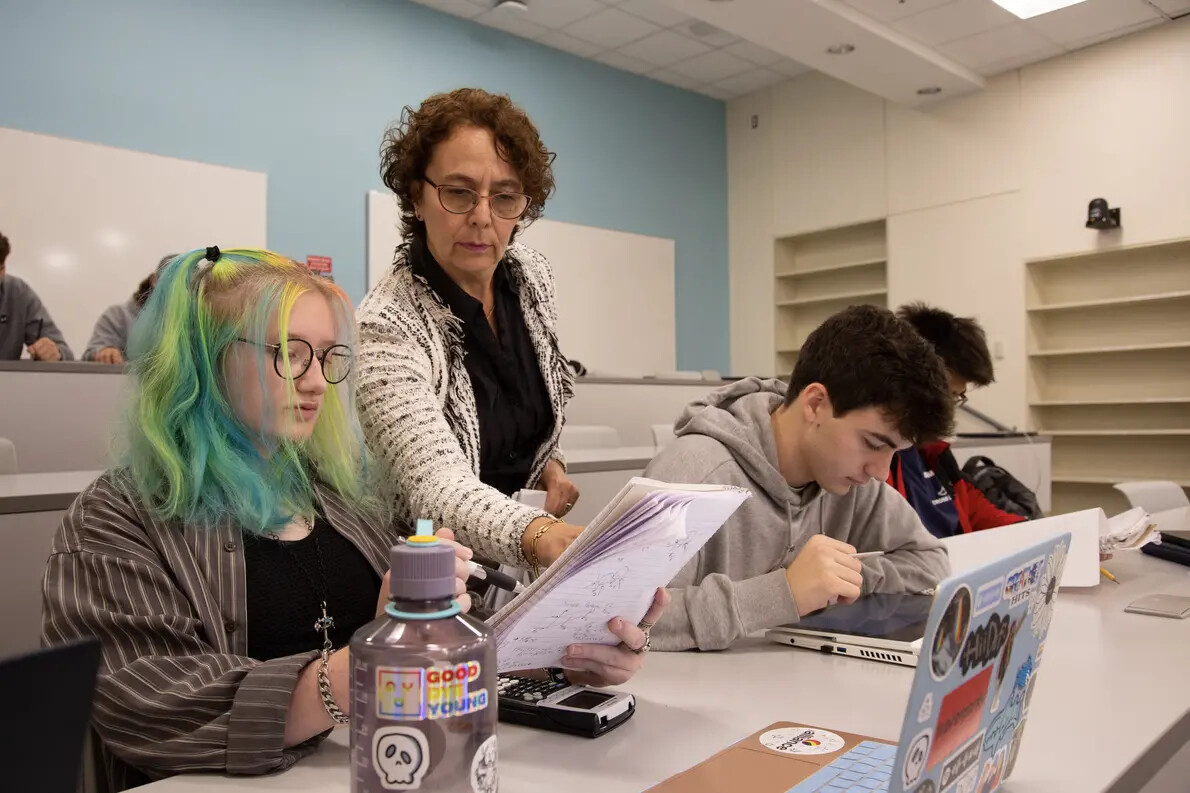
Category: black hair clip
<point>212,254</point>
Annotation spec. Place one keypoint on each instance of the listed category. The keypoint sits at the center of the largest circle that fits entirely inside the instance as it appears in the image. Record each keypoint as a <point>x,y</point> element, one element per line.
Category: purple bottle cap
<point>423,567</point>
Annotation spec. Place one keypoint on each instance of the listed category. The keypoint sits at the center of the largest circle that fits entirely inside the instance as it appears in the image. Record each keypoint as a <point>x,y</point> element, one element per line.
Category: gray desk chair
<point>1154,496</point>
<point>8,457</point>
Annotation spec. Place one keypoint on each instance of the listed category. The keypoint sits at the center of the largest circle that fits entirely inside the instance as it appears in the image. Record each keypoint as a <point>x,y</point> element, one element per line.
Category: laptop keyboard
<point>865,768</point>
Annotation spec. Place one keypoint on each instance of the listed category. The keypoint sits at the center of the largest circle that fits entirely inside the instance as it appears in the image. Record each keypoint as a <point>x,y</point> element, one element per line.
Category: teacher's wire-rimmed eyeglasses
<point>335,359</point>
<point>461,200</point>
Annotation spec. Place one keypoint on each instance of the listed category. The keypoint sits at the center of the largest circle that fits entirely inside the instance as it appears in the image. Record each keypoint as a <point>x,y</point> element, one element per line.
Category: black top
<point>285,591</point>
<point>515,414</point>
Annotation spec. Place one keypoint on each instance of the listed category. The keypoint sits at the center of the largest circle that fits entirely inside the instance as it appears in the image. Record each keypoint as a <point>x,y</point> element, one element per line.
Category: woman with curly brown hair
<point>462,387</point>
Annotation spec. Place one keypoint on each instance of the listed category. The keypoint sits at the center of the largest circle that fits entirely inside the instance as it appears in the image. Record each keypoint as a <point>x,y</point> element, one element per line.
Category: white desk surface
<point>612,458</point>
<point>1100,720</point>
<point>42,492</point>
<point>1173,519</point>
<point>51,491</point>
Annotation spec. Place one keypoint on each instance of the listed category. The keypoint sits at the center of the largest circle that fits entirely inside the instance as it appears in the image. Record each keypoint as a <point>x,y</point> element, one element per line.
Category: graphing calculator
<point>562,707</point>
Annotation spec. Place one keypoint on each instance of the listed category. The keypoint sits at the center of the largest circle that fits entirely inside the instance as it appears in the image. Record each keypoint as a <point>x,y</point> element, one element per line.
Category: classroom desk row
<point>1110,714</point>
<point>32,506</point>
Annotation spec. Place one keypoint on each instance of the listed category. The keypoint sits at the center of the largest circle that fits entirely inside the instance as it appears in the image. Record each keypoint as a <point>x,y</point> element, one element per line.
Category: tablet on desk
<point>879,627</point>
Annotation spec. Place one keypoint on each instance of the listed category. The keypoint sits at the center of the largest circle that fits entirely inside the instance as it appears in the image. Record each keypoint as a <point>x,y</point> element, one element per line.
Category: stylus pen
<point>495,578</point>
<point>866,554</point>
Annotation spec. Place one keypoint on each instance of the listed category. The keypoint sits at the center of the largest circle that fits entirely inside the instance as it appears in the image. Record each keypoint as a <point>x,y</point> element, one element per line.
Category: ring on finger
<point>644,648</point>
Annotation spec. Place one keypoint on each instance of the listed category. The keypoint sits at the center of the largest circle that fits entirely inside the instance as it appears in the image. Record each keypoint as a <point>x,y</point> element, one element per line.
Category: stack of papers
<point>1128,531</point>
<point>637,544</point>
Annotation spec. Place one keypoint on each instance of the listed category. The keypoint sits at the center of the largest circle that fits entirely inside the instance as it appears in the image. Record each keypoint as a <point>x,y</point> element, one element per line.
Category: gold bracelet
<point>534,559</point>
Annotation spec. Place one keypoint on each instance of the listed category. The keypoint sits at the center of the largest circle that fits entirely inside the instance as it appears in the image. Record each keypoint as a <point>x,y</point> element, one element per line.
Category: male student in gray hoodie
<point>815,457</point>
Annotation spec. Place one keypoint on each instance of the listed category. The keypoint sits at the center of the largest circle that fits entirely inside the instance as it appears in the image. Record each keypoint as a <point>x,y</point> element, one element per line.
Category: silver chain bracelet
<point>324,688</point>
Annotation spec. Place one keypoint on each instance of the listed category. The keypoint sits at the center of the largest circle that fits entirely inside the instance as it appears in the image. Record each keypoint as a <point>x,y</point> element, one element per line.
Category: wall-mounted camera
<point>1099,216</point>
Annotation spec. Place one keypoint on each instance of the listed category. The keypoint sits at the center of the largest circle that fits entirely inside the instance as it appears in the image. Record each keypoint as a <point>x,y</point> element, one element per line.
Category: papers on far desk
<point>1128,531</point>
<point>637,544</point>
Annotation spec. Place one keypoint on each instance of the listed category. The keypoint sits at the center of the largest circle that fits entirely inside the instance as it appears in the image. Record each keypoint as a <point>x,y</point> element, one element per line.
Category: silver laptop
<point>880,627</point>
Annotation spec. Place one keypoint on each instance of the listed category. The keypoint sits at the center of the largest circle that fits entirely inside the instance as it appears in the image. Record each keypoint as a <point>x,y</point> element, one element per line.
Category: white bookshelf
<point>819,274</point>
<point>1109,368</point>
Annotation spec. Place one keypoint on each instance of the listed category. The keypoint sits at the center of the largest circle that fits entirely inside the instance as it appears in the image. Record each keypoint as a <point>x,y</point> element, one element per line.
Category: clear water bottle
<point>423,683</point>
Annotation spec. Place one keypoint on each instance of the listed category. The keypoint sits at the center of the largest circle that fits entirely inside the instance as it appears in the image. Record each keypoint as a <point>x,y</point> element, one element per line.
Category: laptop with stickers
<point>968,705</point>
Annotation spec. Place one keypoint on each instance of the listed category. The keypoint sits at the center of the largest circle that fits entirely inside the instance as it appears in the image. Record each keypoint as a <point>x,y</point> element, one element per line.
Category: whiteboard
<point>87,222</point>
<point>615,289</point>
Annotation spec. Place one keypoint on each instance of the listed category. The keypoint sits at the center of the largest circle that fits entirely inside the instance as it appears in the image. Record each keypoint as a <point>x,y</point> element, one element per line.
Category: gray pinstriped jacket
<point>177,691</point>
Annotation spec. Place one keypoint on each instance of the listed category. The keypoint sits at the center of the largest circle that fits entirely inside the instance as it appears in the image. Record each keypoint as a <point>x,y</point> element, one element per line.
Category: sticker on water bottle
<point>484,778</point>
<point>401,757</point>
<point>436,692</point>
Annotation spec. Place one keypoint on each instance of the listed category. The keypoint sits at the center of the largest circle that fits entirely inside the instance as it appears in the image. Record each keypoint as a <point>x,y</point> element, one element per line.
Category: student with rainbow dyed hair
<point>238,543</point>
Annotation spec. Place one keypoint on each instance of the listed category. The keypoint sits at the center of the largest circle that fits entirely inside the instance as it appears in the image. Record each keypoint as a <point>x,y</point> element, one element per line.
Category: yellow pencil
<point>1107,575</point>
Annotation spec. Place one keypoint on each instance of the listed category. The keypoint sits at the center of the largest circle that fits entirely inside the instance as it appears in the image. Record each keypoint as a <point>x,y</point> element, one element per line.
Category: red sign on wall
<point>319,264</point>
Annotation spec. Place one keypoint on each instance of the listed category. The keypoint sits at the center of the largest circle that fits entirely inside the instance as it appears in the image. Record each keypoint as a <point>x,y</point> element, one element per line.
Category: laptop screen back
<point>983,646</point>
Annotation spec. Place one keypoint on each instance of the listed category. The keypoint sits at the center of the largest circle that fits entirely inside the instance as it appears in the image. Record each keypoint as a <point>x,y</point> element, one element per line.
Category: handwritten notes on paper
<point>637,544</point>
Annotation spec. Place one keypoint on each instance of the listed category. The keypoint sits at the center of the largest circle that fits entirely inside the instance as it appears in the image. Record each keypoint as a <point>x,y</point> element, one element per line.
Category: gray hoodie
<point>111,330</point>
<point>736,584</point>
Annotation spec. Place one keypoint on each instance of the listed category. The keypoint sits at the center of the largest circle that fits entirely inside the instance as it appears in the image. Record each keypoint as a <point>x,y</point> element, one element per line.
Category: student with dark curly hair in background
<point>462,386</point>
<point>928,475</point>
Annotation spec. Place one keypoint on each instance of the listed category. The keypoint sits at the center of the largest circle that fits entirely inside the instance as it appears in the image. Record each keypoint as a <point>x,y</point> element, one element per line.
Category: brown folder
<point>750,765</point>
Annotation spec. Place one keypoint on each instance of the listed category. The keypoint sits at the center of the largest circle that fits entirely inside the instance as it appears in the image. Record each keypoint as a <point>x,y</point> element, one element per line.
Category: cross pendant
<point>325,624</point>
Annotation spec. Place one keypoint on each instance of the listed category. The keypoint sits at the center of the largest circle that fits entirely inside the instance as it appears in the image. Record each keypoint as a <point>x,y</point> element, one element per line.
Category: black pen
<point>495,578</point>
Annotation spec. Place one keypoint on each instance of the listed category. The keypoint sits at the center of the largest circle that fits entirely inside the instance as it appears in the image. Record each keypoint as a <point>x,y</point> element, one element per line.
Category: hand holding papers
<point>637,544</point>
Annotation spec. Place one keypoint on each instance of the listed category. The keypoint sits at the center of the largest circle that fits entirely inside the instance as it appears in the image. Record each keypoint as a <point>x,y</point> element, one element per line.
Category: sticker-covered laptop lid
<point>983,646</point>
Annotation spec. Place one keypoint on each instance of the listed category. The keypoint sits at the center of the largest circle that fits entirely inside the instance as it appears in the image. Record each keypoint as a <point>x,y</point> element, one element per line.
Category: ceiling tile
<point>754,53</point>
<point>1000,67</point>
<point>892,10</point>
<point>955,20</point>
<point>560,13</point>
<point>708,33</point>
<point>511,22</point>
<point>789,68</point>
<point>655,11</point>
<point>673,78</point>
<point>559,40</point>
<point>1093,18</point>
<point>1173,7</point>
<point>715,92</point>
<point>1112,34</point>
<point>460,8</point>
<point>625,62</point>
<point>611,28</point>
<point>664,48</point>
<point>1013,41</point>
<point>751,81</point>
<point>713,66</point>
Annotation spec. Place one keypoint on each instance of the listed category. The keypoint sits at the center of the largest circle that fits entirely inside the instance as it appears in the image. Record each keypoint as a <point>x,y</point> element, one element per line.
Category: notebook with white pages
<point>635,545</point>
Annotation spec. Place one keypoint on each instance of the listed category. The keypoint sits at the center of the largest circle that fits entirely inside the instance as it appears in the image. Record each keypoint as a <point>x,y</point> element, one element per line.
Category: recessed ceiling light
<point>840,49</point>
<point>929,90</point>
<point>1026,9</point>
<point>512,5</point>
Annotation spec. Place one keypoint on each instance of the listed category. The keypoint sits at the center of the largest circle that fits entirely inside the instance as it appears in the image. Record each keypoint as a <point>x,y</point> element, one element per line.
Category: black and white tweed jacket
<point>418,410</point>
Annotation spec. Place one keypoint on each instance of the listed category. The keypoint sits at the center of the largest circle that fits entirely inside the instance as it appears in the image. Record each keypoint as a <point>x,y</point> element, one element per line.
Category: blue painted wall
<point>303,89</point>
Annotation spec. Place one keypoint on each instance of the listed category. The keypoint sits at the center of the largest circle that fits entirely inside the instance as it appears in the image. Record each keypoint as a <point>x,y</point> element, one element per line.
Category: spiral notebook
<point>635,545</point>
